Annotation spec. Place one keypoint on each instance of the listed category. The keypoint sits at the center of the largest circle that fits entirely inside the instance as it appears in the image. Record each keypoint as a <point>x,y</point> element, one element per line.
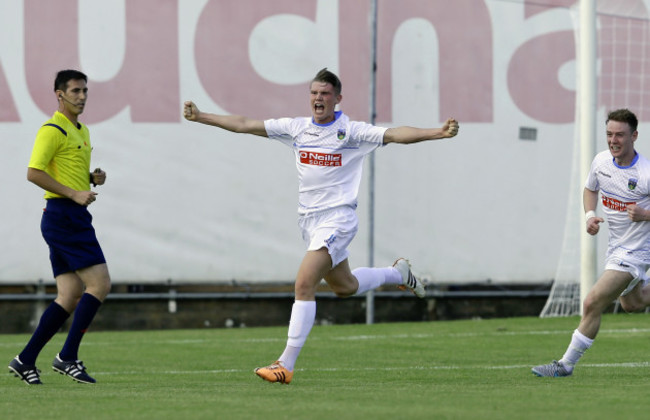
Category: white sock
<point>580,343</point>
<point>372,278</point>
<point>303,314</point>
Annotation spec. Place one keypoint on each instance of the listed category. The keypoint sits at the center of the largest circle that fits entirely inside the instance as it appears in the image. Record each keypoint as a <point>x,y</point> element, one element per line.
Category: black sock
<point>83,316</point>
<point>49,324</point>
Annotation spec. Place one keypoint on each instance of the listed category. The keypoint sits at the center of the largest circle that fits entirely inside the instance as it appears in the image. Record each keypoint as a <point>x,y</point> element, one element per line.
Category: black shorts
<point>67,228</point>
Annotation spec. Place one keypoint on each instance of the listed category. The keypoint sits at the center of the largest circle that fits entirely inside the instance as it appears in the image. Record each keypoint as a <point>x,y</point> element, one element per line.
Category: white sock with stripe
<point>303,314</point>
<point>580,343</point>
<point>372,278</point>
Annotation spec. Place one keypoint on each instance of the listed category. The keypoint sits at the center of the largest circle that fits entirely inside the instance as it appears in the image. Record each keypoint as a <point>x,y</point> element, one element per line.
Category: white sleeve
<point>283,129</point>
<point>367,132</point>
<point>592,180</point>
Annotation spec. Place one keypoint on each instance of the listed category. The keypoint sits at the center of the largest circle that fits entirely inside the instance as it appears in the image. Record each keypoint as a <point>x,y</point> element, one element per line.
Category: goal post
<point>588,100</point>
<point>576,269</point>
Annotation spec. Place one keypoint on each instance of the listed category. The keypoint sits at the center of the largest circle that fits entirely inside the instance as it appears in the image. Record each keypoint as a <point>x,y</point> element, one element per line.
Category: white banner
<point>193,203</point>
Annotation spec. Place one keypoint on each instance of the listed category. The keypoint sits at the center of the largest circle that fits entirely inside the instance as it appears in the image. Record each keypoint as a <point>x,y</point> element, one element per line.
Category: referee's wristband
<point>590,214</point>
<point>92,179</point>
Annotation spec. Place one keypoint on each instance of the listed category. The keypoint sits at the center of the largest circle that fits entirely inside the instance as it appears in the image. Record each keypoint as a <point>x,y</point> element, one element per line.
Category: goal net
<point>623,81</point>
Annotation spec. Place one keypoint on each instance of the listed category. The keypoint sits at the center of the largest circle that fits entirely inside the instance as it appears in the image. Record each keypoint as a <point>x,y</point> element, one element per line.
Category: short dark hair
<point>624,115</point>
<point>326,76</point>
<point>64,76</point>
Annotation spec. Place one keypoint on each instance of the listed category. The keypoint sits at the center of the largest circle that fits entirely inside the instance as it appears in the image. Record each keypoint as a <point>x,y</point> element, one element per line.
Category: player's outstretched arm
<point>234,123</point>
<point>407,135</point>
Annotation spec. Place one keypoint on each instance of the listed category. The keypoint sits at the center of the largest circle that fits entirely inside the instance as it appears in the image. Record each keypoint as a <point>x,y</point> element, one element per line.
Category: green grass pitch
<point>431,370</point>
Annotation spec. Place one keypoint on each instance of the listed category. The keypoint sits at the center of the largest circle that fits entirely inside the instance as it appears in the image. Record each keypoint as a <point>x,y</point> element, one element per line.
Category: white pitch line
<point>282,338</point>
<point>629,365</point>
<point>489,333</point>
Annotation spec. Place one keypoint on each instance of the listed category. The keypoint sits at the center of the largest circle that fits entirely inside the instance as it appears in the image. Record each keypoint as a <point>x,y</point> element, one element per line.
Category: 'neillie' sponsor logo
<point>320,159</point>
<point>615,204</point>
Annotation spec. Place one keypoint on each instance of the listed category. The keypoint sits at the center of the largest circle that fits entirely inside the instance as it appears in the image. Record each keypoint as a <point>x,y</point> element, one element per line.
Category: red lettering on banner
<point>614,71</point>
<point>532,9</point>
<point>321,159</point>
<point>148,82</point>
<point>615,204</point>
<point>229,25</point>
<point>466,90</point>
<point>224,66</point>
<point>534,83</point>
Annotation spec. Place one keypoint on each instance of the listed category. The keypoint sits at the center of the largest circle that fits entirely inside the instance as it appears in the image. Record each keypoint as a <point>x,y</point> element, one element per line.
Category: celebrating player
<point>60,164</point>
<point>329,150</point>
<point>623,178</point>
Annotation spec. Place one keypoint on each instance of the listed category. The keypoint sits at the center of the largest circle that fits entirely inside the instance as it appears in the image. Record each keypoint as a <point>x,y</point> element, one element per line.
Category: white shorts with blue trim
<point>633,262</point>
<point>333,229</point>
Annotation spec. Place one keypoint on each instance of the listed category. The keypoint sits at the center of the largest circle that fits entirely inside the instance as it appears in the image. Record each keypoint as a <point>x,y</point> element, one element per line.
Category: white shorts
<point>333,229</point>
<point>620,259</point>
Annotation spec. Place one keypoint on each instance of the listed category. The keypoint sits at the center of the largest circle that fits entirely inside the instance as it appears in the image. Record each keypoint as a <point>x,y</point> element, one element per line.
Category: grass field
<point>433,370</point>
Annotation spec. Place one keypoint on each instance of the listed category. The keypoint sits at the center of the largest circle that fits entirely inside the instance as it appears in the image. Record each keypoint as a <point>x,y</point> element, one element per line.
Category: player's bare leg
<point>97,280</point>
<point>69,289</point>
<point>638,299</point>
<point>341,280</point>
<point>608,287</point>
<point>313,268</point>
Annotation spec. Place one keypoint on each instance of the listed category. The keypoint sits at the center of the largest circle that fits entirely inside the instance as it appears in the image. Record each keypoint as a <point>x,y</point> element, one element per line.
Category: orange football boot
<point>275,372</point>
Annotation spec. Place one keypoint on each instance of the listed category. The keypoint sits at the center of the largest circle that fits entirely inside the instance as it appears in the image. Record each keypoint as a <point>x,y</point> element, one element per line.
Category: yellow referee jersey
<point>63,151</point>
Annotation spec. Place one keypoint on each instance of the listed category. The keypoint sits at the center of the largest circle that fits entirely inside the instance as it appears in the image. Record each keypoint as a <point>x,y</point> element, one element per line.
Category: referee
<point>60,164</point>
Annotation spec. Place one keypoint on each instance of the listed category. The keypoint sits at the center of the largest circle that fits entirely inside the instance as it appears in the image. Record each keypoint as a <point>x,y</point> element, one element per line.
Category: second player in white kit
<point>622,186</point>
<point>622,176</point>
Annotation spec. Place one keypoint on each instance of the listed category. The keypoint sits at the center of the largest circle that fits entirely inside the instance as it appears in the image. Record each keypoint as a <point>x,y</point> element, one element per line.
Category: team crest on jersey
<point>340,134</point>
<point>631,183</point>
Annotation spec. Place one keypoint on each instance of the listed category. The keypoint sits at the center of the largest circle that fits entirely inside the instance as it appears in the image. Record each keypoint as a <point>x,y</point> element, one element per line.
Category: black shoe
<point>76,370</point>
<point>27,373</point>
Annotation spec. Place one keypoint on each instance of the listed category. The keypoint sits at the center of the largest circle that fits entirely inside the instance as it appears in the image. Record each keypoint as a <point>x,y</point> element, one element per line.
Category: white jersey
<point>619,187</point>
<point>329,158</point>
